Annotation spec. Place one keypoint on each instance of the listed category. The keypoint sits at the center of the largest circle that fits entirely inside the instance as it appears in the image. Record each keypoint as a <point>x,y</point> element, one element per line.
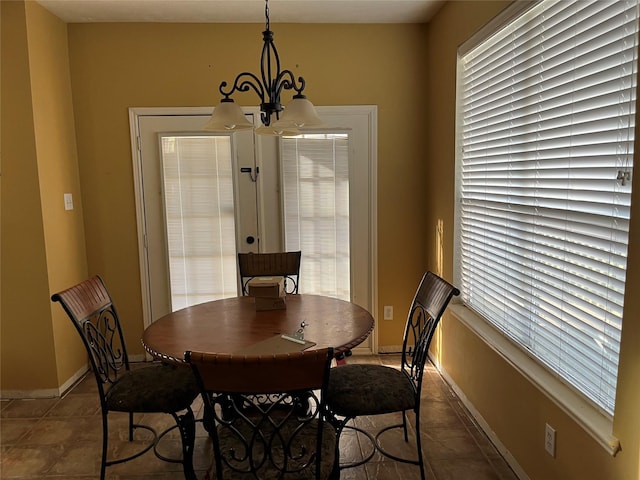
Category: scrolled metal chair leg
<point>186,425</point>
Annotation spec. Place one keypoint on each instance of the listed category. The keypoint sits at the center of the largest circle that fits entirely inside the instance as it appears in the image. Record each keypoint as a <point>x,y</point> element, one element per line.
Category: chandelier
<point>299,112</point>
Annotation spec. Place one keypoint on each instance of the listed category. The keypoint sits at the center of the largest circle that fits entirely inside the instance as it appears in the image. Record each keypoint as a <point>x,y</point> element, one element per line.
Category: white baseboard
<point>45,392</point>
<point>56,392</point>
<point>515,466</point>
<point>29,394</point>
<point>390,349</point>
<point>74,378</point>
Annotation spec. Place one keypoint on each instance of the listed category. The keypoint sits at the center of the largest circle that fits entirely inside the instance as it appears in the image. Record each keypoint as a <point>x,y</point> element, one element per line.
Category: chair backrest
<point>428,306</point>
<point>265,413</point>
<point>280,264</point>
<point>94,315</point>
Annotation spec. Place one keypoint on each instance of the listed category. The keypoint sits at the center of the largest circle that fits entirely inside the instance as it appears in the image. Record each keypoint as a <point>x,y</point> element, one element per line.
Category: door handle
<point>250,239</point>
<point>249,170</point>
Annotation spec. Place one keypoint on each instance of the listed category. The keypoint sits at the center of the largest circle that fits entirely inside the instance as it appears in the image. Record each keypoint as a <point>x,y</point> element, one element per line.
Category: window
<point>199,214</point>
<point>316,210</point>
<point>545,128</point>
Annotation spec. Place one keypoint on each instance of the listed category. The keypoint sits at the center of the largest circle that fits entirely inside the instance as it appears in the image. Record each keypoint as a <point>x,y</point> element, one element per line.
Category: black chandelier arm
<point>265,117</point>
<point>272,82</point>
<point>269,61</point>
<point>243,82</point>
<point>287,81</point>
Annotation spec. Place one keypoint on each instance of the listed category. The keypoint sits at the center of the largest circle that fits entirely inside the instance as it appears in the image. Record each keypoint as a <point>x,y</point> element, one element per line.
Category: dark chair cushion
<point>358,389</point>
<point>156,389</point>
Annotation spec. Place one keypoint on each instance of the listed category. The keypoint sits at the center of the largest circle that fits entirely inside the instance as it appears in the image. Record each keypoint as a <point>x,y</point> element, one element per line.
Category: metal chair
<point>365,390</point>
<point>158,388</point>
<point>280,264</point>
<point>266,414</point>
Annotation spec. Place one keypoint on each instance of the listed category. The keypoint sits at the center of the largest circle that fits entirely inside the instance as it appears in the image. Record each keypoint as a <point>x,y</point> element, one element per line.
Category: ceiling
<point>243,11</point>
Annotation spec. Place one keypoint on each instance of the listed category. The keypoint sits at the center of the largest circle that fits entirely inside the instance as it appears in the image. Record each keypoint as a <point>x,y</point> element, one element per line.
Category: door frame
<point>369,110</point>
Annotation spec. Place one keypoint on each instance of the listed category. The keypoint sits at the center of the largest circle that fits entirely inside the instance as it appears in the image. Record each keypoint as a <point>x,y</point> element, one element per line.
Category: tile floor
<point>60,438</point>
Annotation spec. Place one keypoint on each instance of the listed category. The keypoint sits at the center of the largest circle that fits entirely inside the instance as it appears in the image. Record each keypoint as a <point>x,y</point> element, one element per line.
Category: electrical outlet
<point>550,440</point>
<point>388,312</point>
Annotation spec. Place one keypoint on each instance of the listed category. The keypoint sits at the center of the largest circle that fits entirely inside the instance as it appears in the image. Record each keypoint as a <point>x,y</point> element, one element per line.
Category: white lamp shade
<point>227,116</point>
<point>277,131</point>
<point>299,112</point>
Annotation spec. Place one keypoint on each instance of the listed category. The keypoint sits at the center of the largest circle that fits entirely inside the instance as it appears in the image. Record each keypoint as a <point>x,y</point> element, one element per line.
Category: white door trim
<point>136,112</point>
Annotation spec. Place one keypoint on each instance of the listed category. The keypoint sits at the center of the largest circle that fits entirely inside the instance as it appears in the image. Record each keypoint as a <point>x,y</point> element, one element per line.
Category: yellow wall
<point>117,66</point>
<point>58,174</point>
<point>515,410</point>
<point>407,70</point>
<point>41,249</point>
<point>27,339</point>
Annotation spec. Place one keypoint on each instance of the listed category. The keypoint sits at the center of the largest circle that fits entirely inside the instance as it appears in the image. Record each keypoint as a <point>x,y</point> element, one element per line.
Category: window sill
<point>594,422</point>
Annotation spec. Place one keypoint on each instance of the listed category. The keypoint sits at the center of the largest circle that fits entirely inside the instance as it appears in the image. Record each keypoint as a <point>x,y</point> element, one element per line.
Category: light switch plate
<point>68,201</point>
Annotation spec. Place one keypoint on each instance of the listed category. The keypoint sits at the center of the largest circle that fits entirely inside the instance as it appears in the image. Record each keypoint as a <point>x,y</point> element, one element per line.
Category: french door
<point>202,197</point>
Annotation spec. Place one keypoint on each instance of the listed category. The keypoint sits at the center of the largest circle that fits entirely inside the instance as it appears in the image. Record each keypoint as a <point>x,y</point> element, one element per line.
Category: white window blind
<point>546,128</point>
<point>199,214</point>
<point>315,172</point>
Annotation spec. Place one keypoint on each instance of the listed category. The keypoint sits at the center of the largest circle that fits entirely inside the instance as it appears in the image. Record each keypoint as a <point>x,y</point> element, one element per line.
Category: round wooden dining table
<point>233,325</point>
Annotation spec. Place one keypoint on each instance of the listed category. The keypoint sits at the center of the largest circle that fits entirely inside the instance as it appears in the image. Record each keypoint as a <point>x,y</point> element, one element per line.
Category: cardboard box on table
<point>268,292</point>
<point>267,303</point>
